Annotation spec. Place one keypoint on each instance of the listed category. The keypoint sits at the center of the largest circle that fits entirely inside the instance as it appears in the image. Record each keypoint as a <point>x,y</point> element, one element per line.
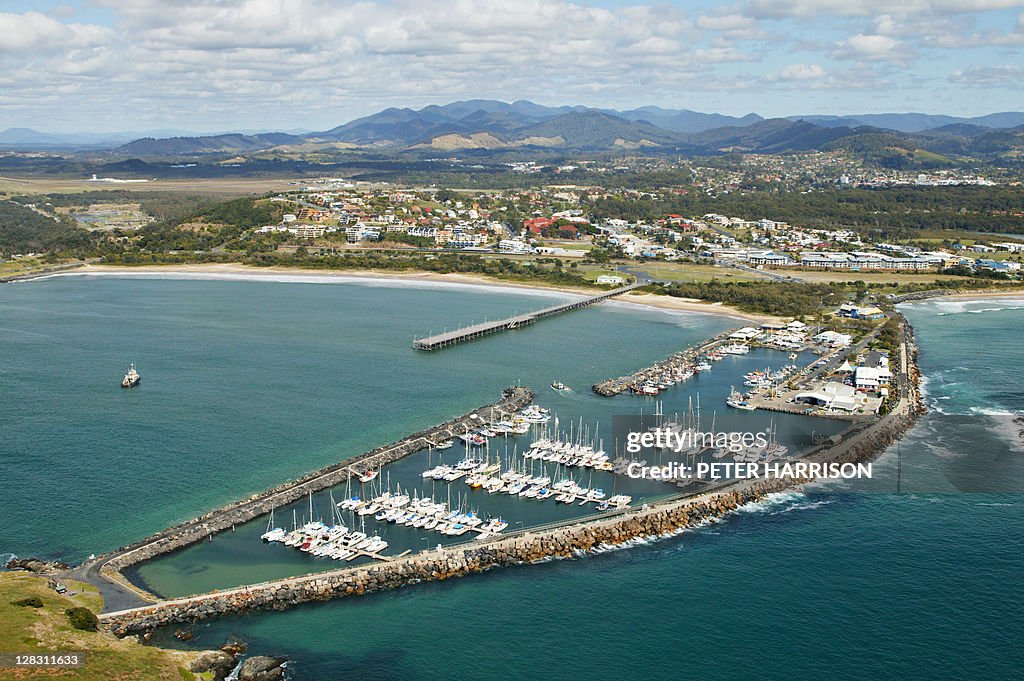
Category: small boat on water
<point>447,444</point>
<point>736,349</point>
<point>368,476</point>
<point>132,378</point>
<point>737,401</point>
<point>559,386</point>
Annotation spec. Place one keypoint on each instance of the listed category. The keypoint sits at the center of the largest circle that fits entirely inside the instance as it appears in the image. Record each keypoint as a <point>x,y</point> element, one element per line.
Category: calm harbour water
<point>247,383</point>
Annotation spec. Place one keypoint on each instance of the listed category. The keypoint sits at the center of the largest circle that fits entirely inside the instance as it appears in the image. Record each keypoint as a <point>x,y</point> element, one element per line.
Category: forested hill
<point>23,230</point>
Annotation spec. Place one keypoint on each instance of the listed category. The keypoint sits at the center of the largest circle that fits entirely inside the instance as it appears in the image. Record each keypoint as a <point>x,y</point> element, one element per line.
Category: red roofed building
<point>537,225</point>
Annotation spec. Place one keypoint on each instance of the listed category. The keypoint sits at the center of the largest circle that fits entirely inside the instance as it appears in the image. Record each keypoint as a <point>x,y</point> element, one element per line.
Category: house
<point>869,313</point>
<point>537,225</point>
<point>856,312</point>
<point>610,279</point>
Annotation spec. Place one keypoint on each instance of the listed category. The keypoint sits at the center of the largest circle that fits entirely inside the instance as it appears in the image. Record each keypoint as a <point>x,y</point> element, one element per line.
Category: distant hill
<point>184,146</point>
<point>599,130</point>
<point>491,125</point>
<point>768,136</point>
<point>685,120</point>
<point>916,122</point>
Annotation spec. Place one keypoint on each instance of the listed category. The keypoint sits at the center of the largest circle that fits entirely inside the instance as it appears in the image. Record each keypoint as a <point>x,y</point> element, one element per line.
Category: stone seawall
<point>437,565</point>
<point>564,542</point>
<point>256,505</point>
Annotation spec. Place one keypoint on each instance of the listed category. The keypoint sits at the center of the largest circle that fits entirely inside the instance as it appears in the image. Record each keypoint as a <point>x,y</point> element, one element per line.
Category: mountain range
<point>490,125</point>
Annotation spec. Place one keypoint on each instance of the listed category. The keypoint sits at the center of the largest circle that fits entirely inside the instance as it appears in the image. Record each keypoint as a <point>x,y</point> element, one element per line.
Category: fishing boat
<point>736,349</point>
<point>132,378</point>
<point>737,401</point>
<point>559,386</point>
<point>473,439</point>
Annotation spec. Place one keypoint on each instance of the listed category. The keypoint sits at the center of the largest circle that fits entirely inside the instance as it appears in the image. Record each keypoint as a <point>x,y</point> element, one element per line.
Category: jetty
<point>614,386</point>
<point>469,333</point>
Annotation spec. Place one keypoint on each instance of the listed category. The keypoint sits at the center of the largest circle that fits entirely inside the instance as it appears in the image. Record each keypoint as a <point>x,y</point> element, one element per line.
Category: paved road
<point>115,596</point>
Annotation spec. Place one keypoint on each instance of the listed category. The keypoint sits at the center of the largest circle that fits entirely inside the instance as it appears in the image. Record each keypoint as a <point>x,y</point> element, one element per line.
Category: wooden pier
<point>469,333</point>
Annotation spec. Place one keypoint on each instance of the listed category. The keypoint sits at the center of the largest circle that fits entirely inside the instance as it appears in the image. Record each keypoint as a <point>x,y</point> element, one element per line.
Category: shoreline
<point>1018,293</point>
<point>647,300</point>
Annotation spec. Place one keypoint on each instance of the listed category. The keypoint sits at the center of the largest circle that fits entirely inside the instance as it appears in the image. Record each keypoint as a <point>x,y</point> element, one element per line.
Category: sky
<point>212,65</point>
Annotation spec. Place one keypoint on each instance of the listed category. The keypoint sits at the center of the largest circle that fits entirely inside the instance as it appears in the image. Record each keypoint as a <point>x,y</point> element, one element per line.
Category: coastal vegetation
<point>771,297</point>
<point>24,230</point>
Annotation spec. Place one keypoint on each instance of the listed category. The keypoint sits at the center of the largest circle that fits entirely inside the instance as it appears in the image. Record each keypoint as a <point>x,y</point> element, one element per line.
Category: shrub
<point>30,602</point>
<point>82,618</point>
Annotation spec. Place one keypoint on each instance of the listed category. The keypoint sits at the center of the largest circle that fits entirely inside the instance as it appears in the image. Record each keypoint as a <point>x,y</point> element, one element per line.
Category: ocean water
<point>249,383</point>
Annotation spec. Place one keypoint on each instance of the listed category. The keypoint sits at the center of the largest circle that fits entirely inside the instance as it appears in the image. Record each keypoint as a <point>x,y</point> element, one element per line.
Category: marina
<point>679,367</point>
<point>516,458</point>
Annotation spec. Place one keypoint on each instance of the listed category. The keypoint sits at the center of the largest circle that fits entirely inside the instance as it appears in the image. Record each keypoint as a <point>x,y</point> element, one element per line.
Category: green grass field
<point>46,630</point>
<point>684,271</point>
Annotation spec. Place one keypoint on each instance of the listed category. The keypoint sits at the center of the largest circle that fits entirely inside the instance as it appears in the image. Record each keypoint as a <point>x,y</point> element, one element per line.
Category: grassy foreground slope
<point>30,630</point>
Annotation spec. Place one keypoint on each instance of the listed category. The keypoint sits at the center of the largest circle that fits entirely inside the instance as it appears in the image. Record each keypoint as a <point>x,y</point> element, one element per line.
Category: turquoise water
<point>248,383</point>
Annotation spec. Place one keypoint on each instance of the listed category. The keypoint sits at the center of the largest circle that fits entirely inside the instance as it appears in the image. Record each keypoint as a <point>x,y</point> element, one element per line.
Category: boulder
<point>216,661</point>
<point>262,668</point>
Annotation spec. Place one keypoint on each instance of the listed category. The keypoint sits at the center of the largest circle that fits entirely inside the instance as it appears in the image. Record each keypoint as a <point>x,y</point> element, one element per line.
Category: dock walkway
<point>475,331</point>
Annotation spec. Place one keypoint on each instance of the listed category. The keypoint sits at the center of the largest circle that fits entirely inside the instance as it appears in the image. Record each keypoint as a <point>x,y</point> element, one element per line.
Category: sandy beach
<point>643,299</point>
<point>1019,293</point>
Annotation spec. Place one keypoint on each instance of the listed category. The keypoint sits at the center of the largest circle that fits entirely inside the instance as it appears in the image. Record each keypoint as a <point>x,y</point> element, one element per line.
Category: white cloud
<point>801,72</point>
<point>776,9</point>
<point>228,63</point>
<point>989,76</point>
<point>36,32</point>
<point>869,48</point>
<point>718,55</point>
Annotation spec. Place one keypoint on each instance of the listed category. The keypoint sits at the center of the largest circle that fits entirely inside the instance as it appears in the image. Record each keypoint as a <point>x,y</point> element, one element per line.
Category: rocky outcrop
<point>262,668</point>
<point>34,565</point>
<point>216,661</point>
